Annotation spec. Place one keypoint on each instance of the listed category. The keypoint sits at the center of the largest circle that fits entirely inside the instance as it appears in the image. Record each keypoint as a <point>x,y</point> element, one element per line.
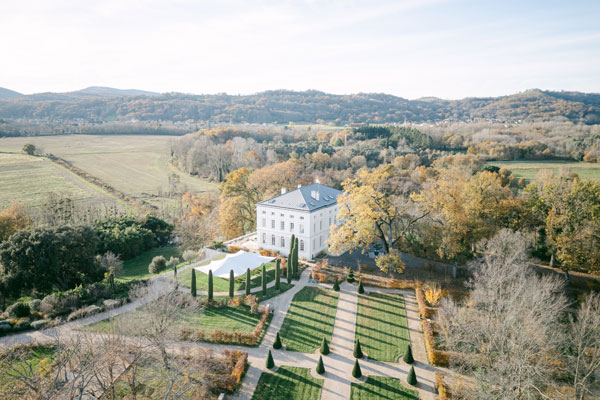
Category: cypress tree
<point>296,257</point>
<point>412,377</point>
<point>360,289</point>
<point>320,366</point>
<point>277,274</point>
<point>408,357</point>
<point>324,347</point>
<point>356,372</point>
<point>210,285</point>
<point>290,263</point>
<point>289,272</point>
<point>277,342</point>
<point>231,284</point>
<point>336,285</point>
<point>193,288</point>
<point>270,363</point>
<point>264,280</point>
<point>357,350</point>
<point>175,276</point>
<point>248,282</point>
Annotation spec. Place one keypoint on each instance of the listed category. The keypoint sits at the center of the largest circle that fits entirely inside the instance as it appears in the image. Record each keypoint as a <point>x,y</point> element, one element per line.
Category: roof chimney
<point>317,180</point>
<point>299,186</point>
<point>283,190</point>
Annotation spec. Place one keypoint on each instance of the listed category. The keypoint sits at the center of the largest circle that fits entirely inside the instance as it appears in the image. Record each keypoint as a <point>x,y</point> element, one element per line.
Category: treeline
<point>307,107</point>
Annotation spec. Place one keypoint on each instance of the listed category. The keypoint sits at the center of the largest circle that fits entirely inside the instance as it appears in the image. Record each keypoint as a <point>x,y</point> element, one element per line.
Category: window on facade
<point>282,225</point>
<point>301,245</point>
<point>282,241</point>
<point>329,221</point>
<point>273,240</point>
<point>314,227</point>
<point>321,224</point>
<point>301,217</point>
<point>291,216</point>
<point>264,212</point>
<point>264,222</point>
<point>301,228</point>
<point>273,224</point>
<point>281,215</point>
<point>320,240</point>
<point>291,227</point>
<point>264,238</point>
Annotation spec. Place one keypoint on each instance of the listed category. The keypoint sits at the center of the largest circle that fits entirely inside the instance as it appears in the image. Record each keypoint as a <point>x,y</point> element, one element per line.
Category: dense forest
<point>166,113</point>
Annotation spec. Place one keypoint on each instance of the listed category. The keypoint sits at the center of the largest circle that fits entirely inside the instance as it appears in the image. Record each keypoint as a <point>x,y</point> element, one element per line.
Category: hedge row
<point>231,382</point>
<point>440,386</point>
<point>435,356</point>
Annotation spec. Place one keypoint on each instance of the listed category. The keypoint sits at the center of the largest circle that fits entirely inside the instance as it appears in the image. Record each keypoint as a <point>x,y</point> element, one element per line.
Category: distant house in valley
<point>307,212</point>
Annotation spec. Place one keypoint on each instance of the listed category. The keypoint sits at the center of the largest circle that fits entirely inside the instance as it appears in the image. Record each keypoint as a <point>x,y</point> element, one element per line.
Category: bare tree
<point>506,333</point>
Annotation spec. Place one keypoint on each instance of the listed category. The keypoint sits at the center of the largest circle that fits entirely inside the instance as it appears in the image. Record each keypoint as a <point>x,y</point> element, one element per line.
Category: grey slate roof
<point>303,199</point>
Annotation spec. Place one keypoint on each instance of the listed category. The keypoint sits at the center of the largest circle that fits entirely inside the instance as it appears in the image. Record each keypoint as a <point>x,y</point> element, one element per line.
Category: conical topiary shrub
<point>270,363</point>
<point>408,357</point>
<point>350,277</point>
<point>324,347</point>
<point>357,350</point>
<point>360,289</point>
<point>193,285</point>
<point>412,377</point>
<point>336,285</point>
<point>277,342</point>
<point>356,372</point>
<point>320,366</point>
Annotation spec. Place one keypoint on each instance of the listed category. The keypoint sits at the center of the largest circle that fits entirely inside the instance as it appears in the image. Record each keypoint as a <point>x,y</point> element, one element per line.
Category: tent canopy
<point>238,262</point>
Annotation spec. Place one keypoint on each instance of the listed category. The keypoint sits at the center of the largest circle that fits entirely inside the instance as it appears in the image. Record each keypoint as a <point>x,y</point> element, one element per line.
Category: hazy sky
<point>409,48</point>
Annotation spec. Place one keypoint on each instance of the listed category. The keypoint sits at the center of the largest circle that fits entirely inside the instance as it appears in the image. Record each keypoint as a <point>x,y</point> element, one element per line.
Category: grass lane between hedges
<point>381,387</point>
<point>288,383</point>
<point>310,317</point>
<point>381,326</point>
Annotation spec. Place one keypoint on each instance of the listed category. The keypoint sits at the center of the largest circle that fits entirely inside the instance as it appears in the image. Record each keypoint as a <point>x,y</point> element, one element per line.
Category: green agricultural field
<point>288,383</point>
<point>310,318</point>
<point>381,387</point>
<point>29,179</point>
<point>137,268</point>
<point>228,318</point>
<point>134,164</point>
<point>381,326</point>
<point>221,284</point>
<point>529,169</point>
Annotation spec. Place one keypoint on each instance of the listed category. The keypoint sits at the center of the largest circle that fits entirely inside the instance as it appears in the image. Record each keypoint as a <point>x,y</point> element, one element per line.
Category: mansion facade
<point>306,212</point>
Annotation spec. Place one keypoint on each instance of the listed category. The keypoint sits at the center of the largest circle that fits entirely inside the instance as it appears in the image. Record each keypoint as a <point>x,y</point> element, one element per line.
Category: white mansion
<point>306,212</point>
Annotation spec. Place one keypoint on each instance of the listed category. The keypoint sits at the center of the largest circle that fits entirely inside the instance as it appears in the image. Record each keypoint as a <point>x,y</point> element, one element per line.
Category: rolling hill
<point>8,94</point>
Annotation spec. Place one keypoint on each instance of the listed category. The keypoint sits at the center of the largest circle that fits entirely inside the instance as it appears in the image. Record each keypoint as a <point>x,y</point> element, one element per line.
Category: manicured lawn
<point>288,383</point>
<point>381,326</point>
<point>228,318</point>
<point>271,292</point>
<point>381,387</point>
<point>222,285</point>
<point>137,268</point>
<point>310,317</point>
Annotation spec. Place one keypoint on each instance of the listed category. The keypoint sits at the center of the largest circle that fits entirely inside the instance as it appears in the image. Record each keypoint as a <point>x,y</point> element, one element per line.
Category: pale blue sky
<point>410,48</point>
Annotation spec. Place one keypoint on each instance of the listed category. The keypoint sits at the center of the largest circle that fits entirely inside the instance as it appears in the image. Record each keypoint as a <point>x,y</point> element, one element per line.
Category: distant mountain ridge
<point>8,94</point>
<point>282,106</point>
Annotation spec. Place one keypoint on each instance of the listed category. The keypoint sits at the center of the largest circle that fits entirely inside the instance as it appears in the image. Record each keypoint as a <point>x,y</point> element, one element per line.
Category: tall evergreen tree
<point>296,266</point>
<point>264,280</point>
<point>210,285</point>
<point>175,277</point>
<point>288,271</point>
<point>193,285</point>
<point>290,262</point>
<point>231,284</point>
<point>248,282</point>
<point>277,274</point>
<point>336,285</point>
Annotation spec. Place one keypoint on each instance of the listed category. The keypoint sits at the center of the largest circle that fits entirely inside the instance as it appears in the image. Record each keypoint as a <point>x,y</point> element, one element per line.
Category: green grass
<point>310,317</point>
<point>137,268</point>
<point>381,326</point>
<point>221,284</point>
<point>137,165</point>
<point>271,292</point>
<point>227,318</point>
<point>36,355</point>
<point>529,169</point>
<point>30,179</point>
<point>288,383</point>
<point>381,387</point>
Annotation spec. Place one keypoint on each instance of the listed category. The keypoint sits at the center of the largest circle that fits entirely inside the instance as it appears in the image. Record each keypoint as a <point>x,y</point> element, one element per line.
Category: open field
<point>381,326</point>
<point>288,383</point>
<point>381,387</point>
<point>310,318</point>
<point>529,169</point>
<point>135,165</point>
<point>29,179</point>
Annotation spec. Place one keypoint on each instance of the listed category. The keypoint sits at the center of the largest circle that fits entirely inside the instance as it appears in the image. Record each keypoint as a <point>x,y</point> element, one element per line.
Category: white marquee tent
<point>238,262</point>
